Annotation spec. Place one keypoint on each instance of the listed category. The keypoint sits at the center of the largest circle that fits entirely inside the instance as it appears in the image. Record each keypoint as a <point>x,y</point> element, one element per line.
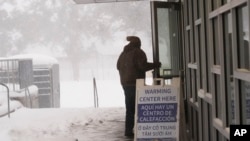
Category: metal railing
<point>8,97</point>
<point>96,101</point>
<point>16,75</point>
<point>9,73</point>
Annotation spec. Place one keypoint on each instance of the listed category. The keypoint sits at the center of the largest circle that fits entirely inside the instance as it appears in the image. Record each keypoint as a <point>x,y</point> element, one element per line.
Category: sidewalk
<point>82,124</point>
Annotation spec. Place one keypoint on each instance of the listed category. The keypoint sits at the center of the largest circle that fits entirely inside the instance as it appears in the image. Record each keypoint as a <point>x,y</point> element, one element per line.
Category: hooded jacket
<point>132,63</point>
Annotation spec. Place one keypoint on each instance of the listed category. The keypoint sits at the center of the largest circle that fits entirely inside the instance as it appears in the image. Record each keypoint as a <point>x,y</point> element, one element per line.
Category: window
<point>197,9</point>
<point>216,48</point>
<point>243,38</point>
<point>199,49</point>
<point>218,96</point>
<point>164,40</point>
<point>229,81</point>
<point>225,1</point>
<point>214,4</point>
<point>245,101</point>
<point>243,61</point>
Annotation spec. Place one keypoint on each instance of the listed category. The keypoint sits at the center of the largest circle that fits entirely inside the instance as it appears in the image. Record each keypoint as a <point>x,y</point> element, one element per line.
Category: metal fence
<point>16,73</point>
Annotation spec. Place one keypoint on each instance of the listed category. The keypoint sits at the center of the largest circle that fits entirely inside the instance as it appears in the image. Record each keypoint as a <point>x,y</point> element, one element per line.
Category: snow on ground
<point>77,124</point>
<point>76,120</point>
<point>81,94</point>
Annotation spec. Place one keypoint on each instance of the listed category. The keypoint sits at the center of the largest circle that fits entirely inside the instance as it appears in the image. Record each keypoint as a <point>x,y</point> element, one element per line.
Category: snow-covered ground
<point>77,124</point>
<point>76,120</point>
<point>81,94</point>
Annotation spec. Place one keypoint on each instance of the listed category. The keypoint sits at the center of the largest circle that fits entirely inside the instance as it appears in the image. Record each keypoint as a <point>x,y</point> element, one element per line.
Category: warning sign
<point>156,112</point>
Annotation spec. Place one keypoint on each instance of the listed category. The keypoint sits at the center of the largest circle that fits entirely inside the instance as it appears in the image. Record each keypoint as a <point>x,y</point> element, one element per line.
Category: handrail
<point>30,99</point>
<point>8,97</point>
<point>96,101</point>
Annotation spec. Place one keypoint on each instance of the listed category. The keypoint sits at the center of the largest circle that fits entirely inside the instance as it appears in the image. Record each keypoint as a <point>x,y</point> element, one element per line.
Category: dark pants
<point>130,96</point>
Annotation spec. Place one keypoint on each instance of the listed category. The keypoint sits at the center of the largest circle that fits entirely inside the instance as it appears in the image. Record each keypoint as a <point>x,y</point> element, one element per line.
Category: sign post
<point>157,111</point>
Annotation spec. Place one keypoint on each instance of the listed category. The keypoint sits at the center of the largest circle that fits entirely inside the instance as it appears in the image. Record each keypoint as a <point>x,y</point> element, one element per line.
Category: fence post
<point>96,103</point>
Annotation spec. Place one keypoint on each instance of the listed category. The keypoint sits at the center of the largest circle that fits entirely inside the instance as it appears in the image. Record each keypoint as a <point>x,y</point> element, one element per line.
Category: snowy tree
<point>65,29</point>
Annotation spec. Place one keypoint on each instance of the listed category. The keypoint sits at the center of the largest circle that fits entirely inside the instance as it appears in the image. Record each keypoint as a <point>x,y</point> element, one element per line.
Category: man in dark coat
<point>132,64</point>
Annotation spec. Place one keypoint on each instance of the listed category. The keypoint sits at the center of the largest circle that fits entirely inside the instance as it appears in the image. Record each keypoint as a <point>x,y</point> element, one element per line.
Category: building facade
<point>217,66</point>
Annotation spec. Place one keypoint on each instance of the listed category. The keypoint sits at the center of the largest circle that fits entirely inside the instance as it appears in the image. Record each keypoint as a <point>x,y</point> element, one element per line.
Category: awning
<point>101,1</point>
<point>107,1</point>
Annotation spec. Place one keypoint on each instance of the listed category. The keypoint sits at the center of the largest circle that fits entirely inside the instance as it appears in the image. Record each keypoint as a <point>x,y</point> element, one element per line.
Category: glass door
<point>166,30</point>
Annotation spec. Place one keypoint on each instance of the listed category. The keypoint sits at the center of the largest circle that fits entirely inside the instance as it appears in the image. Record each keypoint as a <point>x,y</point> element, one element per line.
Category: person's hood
<point>135,42</point>
<point>129,47</point>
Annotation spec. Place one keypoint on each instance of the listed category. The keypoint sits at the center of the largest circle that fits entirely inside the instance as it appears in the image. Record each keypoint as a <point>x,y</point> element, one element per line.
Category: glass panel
<point>225,1</point>
<point>207,51</point>
<point>195,125</point>
<point>187,12</point>
<point>227,22</point>
<point>164,40</point>
<point>193,50</point>
<point>215,42</point>
<point>189,83</point>
<point>218,96</point>
<point>189,47</point>
<point>195,88</point>
<point>214,4</point>
<point>245,101</point>
<point>168,39</point>
<point>208,73</point>
<point>196,9</point>
<point>243,38</point>
<point>193,85</point>
<point>210,123</point>
<point>200,57</point>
